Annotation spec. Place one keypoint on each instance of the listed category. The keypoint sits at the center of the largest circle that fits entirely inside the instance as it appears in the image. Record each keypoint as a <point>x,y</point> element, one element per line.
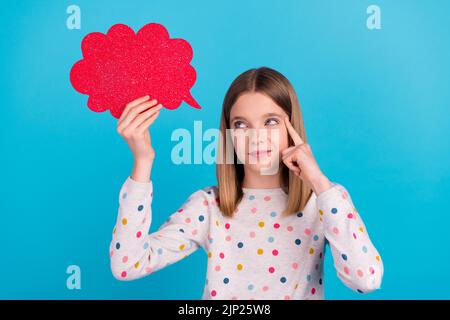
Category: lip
<point>260,153</point>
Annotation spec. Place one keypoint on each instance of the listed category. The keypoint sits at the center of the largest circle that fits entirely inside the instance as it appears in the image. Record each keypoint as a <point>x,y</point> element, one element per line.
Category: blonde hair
<point>230,175</point>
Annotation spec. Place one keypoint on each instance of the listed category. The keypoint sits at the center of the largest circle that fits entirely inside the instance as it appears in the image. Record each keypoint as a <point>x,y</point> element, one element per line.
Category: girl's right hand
<point>133,126</point>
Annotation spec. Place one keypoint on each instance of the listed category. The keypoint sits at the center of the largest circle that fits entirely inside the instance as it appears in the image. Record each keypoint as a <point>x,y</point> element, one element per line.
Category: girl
<point>264,234</point>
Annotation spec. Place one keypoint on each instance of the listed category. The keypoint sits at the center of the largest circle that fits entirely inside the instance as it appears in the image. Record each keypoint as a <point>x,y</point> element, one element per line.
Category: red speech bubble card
<point>121,65</point>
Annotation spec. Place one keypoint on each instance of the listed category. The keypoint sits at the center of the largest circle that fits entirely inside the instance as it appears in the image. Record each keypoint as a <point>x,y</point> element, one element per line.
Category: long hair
<point>230,175</point>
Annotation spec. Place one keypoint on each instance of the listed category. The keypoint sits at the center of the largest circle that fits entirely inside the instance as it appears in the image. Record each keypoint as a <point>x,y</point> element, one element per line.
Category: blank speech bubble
<point>121,66</point>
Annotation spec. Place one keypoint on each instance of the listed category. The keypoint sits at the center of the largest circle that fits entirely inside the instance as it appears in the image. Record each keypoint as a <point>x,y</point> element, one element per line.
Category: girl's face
<point>258,131</point>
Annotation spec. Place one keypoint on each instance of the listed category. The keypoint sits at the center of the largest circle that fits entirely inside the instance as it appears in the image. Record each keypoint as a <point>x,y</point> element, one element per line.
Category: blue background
<point>376,110</point>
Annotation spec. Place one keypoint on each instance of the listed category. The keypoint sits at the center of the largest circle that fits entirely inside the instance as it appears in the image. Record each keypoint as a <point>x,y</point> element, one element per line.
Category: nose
<point>258,136</point>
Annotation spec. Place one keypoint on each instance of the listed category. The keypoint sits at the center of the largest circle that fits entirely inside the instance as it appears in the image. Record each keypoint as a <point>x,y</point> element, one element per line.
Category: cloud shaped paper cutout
<point>121,65</point>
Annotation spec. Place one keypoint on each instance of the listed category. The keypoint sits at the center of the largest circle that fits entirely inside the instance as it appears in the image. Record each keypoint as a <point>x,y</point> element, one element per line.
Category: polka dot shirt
<point>256,254</point>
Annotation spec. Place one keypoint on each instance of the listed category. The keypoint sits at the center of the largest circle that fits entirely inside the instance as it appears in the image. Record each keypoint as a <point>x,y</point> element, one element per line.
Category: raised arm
<point>133,251</point>
<point>357,261</point>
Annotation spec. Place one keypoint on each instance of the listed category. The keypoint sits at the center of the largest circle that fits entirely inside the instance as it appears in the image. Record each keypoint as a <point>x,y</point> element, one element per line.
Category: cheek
<point>240,143</point>
<point>282,141</point>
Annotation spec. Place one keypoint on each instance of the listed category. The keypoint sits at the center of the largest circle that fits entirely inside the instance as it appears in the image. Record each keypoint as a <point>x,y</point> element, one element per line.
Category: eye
<point>239,124</point>
<point>271,122</point>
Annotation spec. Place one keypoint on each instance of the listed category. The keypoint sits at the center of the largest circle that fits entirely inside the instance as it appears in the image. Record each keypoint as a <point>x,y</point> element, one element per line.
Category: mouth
<point>260,153</point>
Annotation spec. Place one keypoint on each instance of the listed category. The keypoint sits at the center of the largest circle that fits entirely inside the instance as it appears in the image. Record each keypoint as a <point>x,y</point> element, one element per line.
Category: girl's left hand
<point>300,160</point>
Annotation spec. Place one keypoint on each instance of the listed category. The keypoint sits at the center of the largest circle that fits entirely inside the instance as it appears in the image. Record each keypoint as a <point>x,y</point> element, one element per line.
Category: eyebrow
<point>270,114</point>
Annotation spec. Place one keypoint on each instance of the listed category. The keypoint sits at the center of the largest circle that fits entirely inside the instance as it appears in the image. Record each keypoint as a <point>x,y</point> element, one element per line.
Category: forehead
<point>253,105</point>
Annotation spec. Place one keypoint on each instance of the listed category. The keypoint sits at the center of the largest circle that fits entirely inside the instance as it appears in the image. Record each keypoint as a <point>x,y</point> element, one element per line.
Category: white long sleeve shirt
<point>257,254</point>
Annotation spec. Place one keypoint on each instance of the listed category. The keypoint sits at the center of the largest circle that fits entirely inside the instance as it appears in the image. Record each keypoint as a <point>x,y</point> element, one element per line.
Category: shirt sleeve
<point>134,252</point>
<point>357,261</point>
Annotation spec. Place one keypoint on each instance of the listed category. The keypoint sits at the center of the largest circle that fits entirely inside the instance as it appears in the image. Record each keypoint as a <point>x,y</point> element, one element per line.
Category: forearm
<point>128,250</point>
<point>320,184</point>
<point>356,259</point>
<point>142,169</point>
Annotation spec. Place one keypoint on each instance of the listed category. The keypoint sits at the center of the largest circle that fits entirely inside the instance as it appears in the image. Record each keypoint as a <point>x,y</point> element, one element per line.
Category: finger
<point>292,166</point>
<point>144,115</point>
<point>287,150</point>
<point>294,134</point>
<point>135,111</point>
<point>150,117</point>
<point>132,104</point>
<point>295,150</point>
<point>144,126</point>
<point>287,155</point>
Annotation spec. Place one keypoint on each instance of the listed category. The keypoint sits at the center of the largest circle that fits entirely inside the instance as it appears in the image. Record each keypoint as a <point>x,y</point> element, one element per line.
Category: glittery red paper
<point>121,65</point>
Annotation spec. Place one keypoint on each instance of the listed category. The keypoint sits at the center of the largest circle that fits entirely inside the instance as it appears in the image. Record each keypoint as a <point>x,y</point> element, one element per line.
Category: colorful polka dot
<point>261,222</point>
